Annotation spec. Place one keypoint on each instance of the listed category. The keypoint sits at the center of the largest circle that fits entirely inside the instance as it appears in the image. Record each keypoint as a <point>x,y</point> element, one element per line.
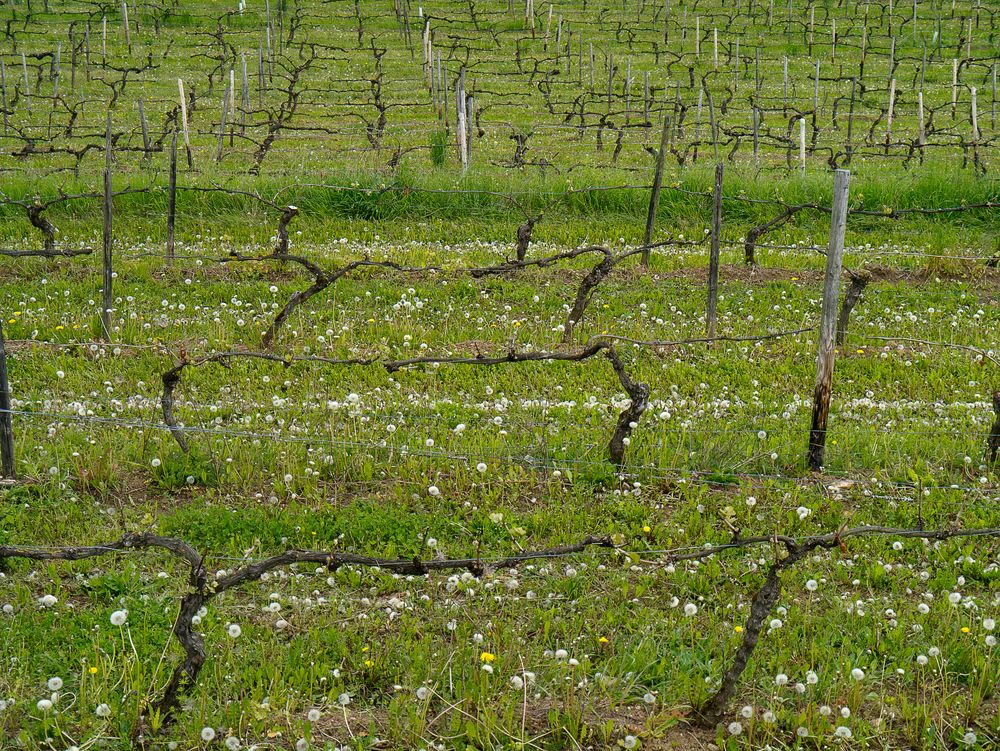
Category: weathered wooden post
<point>184,121</point>
<point>6,422</point>
<point>713,262</point>
<point>145,131</point>
<point>654,196</point>
<point>992,443</point>
<point>172,198</point>
<point>828,321</point>
<point>108,299</point>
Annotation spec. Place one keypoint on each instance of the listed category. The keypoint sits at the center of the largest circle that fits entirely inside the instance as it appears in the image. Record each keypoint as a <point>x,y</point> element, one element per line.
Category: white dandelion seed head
<point>119,617</point>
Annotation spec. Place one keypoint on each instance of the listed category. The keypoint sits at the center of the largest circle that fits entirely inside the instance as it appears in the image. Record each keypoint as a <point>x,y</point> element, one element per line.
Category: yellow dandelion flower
<point>738,629</point>
<point>603,640</point>
<point>92,670</point>
<point>488,657</point>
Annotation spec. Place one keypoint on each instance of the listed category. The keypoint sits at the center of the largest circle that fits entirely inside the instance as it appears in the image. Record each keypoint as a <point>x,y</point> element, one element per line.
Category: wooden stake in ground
<point>184,121</point>
<point>711,316</point>
<point>145,130</point>
<point>6,423</point>
<point>108,299</point>
<point>654,196</point>
<point>828,321</point>
<point>172,198</point>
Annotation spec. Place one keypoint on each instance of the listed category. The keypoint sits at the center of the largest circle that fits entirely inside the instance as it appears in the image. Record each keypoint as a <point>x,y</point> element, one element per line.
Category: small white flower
<point>481,467</point>
<point>735,728</point>
<point>776,624</point>
<point>156,462</point>
<point>812,678</point>
<point>301,745</point>
<point>423,692</point>
<point>561,654</point>
<point>812,585</point>
<point>843,732</point>
<point>934,652</point>
<point>845,712</point>
<point>314,715</point>
<point>649,698</point>
<point>858,674</point>
<point>781,679</point>
<point>47,601</point>
<point>343,700</point>
<point>433,490</point>
<point>119,617</point>
<point>690,609</point>
<point>802,732</point>
<point>55,683</point>
<point>921,659</point>
<point>208,734</point>
<point>234,630</point>
<point>516,682</point>
<point>969,738</point>
<point>803,512</point>
<point>630,741</point>
<point>989,624</point>
<point>233,743</point>
<point>103,710</point>
<point>769,717</point>
<point>746,712</point>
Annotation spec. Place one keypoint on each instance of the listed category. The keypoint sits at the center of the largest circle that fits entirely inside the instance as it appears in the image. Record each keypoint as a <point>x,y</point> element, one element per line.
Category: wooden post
<point>6,422</point>
<point>828,321</point>
<point>222,124</point>
<point>920,122</point>
<point>975,117</point>
<point>802,144</point>
<point>145,131</point>
<point>954,88</point>
<point>3,91</point>
<point>108,299</point>
<point>713,262</point>
<point>654,196</point>
<point>992,443</point>
<point>244,94</point>
<point>888,122</point>
<point>172,198</point>
<point>27,86</point>
<point>184,121</point>
<point>128,34</point>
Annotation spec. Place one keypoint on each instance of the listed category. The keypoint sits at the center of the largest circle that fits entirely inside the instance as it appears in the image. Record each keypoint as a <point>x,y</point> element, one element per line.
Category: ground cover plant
<point>389,438</point>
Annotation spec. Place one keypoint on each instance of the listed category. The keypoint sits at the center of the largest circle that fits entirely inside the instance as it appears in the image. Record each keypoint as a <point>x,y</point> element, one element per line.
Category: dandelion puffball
<point>119,617</point>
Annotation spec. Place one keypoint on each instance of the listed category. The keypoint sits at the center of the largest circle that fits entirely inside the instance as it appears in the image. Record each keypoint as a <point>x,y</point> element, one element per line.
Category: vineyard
<point>499,375</point>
